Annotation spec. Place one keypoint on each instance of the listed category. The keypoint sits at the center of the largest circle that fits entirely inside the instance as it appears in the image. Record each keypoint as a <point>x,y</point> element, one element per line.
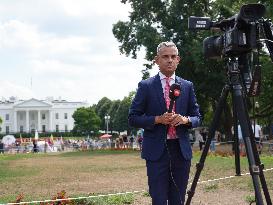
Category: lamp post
<point>256,112</point>
<point>257,105</point>
<point>107,120</point>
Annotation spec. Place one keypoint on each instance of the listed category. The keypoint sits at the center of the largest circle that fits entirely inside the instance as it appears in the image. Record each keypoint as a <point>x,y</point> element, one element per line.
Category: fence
<point>76,145</point>
<point>65,146</point>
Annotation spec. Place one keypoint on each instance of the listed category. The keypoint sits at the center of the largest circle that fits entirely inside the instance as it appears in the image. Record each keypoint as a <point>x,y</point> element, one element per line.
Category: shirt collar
<point>162,76</point>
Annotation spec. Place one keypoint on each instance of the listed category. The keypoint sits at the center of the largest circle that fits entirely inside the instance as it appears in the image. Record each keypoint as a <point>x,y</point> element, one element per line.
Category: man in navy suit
<point>166,144</point>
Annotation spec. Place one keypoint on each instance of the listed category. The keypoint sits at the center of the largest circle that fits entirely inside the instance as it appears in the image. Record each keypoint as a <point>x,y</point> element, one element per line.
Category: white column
<point>49,121</point>
<point>39,121</point>
<point>27,121</point>
<point>15,121</point>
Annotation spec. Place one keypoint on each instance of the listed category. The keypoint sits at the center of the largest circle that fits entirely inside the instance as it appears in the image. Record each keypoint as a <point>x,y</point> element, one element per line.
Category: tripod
<point>234,86</point>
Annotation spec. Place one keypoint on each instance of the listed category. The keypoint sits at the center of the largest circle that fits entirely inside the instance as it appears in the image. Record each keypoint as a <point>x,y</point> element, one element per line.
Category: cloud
<point>55,67</point>
<point>105,7</point>
<point>16,34</point>
<point>67,48</point>
<point>9,88</point>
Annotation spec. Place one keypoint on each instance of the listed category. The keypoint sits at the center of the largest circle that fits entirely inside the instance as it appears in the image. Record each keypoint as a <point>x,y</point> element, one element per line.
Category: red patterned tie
<point>171,130</point>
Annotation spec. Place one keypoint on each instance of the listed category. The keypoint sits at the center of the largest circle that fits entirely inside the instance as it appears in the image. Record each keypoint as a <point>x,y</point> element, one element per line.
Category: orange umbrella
<point>105,136</point>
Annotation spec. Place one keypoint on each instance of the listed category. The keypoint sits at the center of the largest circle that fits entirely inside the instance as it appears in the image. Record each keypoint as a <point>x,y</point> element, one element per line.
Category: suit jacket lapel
<point>159,91</point>
<point>179,103</point>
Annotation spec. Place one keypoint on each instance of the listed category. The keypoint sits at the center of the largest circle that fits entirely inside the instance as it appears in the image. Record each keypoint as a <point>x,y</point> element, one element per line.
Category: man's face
<point>167,60</point>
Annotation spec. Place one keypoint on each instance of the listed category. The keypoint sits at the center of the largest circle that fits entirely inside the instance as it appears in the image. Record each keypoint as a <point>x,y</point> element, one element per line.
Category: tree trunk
<point>226,120</point>
<point>270,127</point>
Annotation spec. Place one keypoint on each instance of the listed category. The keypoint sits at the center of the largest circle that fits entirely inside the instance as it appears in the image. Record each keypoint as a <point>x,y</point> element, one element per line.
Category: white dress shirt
<point>163,80</point>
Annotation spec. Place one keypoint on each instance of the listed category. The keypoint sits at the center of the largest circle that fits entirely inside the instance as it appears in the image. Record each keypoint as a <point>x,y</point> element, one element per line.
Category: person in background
<point>140,140</point>
<point>204,134</point>
<point>35,146</point>
<point>213,141</point>
<point>257,130</point>
<point>121,144</point>
<point>199,139</point>
<point>241,141</point>
<point>17,144</point>
<point>131,139</point>
<point>117,145</point>
<point>1,147</point>
<point>45,146</point>
<point>191,137</point>
<point>125,141</point>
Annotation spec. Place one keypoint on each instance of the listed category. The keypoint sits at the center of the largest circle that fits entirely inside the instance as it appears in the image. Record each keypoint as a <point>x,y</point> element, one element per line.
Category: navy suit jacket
<point>149,102</point>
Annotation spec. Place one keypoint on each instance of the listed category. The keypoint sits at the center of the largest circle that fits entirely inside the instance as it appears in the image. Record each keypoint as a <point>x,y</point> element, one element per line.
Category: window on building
<point>57,128</point>
<point>56,116</point>
<point>43,128</point>
<point>43,116</point>
<point>7,129</point>
<point>65,128</point>
<point>65,115</point>
<point>32,116</point>
<point>21,116</point>
<point>21,128</point>
<point>7,117</point>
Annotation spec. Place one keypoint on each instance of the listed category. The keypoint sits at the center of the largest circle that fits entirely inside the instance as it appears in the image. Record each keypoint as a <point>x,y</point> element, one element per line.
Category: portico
<point>32,115</point>
<point>29,120</point>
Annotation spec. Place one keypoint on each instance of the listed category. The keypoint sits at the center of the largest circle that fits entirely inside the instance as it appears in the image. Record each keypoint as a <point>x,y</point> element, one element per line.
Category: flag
<point>51,139</point>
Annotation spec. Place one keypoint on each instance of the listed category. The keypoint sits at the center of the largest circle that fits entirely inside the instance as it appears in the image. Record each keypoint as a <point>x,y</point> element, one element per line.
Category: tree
<point>86,120</point>
<point>113,113</point>
<point>153,21</point>
<point>102,109</point>
<point>120,122</point>
<point>118,111</point>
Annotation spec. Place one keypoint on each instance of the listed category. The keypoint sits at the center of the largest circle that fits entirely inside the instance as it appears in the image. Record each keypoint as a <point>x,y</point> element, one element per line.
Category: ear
<point>156,59</point>
<point>178,59</point>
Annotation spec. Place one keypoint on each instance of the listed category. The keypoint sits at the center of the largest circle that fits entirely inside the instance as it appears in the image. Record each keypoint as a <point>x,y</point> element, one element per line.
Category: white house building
<point>42,115</point>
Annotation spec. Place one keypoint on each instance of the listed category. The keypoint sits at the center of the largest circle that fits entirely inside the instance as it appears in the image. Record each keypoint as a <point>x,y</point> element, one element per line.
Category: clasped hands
<point>171,119</point>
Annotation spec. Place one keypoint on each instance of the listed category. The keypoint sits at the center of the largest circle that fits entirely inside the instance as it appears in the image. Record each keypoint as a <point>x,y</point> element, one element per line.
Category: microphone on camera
<point>173,95</point>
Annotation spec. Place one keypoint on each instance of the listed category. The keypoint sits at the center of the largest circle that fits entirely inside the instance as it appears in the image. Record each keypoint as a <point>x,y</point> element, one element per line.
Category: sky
<point>64,49</point>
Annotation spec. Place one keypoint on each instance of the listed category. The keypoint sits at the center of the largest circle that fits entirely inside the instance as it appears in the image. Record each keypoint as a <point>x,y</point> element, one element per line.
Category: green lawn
<point>41,176</point>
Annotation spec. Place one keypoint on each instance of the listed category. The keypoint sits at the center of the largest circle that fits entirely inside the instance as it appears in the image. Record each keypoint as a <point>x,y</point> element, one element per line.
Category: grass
<point>41,176</point>
<point>111,200</point>
<point>99,153</point>
<point>218,166</point>
<point>211,187</point>
<point>250,199</point>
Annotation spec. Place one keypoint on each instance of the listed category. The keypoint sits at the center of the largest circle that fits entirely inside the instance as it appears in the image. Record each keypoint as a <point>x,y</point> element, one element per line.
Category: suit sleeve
<point>193,109</point>
<point>137,117</point>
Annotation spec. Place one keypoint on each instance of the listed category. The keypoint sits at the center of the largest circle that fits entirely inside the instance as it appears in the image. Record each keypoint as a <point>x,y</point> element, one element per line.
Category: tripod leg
<point>246,131</point>
<point>239,99</point>
<point>236,141</point>
<point>212,129</point>
<point>262,178</point>
<point>261,167</point>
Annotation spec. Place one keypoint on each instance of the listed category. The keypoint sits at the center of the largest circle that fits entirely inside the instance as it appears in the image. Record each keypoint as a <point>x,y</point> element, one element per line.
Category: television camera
<point>244,34</point>
<point>241,32</point>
